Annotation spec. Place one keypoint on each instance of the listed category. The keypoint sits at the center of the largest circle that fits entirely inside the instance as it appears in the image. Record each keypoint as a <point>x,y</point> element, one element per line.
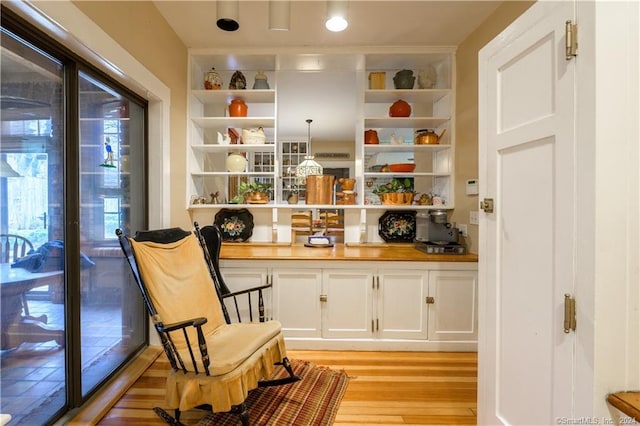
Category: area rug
<point>313,401</point>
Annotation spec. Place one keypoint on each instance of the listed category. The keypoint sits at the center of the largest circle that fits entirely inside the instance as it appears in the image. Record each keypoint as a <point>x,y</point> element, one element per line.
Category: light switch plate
<point>473,217</point>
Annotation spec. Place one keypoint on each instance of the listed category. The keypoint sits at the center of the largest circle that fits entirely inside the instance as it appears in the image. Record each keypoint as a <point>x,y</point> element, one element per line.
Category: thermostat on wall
<point>472,187</point>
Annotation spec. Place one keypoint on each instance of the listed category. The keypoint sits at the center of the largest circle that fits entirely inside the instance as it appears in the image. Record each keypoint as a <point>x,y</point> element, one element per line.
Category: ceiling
<point>371,23</point>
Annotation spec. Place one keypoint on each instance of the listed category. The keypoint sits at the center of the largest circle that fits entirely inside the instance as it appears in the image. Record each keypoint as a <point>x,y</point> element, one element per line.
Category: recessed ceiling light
<point>336,15</point>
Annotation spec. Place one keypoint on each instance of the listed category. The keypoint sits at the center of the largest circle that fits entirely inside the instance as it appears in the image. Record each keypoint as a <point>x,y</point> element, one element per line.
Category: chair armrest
<point>248,290</point>
<point>195,322</point>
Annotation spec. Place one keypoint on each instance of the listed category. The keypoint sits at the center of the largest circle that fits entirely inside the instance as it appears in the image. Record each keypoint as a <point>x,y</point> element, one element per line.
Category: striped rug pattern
<point>313,401</point>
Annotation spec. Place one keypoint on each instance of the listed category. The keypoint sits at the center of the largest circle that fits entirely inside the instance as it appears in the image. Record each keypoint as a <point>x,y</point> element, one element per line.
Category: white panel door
<point>527,243</point>
<point>402,307</point>
<point>297,301</point>
<point>348,303</point>
<point>453,311</point>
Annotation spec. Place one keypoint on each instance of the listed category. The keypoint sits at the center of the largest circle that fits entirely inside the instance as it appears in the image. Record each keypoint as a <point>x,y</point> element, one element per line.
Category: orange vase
<point>400,109</point>
<point>237,108</point>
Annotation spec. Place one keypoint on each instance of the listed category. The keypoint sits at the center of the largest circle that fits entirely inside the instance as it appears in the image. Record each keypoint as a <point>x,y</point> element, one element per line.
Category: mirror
<point>328,97</point>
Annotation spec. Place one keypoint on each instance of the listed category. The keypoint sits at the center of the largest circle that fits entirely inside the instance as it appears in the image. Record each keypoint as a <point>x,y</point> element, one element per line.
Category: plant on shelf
<point>398,191</point>
<point>254,192</point>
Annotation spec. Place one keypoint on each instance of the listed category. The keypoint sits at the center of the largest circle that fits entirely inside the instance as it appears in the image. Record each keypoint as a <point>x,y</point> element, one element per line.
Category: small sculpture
<point>212,80</point>
<point>261,81</point>
<point>424,200</point>
<point>224,139</point>
<point>214,197</point>
<point>108,159</point>
<point>396,140</point>
<point>427,78</point>
<point>238,82</point>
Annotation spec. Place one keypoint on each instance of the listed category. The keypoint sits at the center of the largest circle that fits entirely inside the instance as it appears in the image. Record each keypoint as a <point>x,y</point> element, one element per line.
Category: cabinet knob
<point>430,300</point>
<point>323,297</point>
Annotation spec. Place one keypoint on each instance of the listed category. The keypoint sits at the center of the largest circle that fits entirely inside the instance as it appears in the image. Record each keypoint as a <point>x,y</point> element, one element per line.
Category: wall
<point>141,30</point>
<point>466,160</point>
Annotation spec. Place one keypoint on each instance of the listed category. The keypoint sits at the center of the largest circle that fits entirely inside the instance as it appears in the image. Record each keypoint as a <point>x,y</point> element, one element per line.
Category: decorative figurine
<point>224,139</point>
<point>261,81</point>
<point>212,80</point>
<point>108,159</point>
<point>238,82</point>
<point>214,197</point>
<point>427,78</point>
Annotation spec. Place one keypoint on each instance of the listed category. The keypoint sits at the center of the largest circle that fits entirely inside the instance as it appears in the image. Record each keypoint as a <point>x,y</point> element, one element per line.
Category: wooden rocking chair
<point>215,363</point>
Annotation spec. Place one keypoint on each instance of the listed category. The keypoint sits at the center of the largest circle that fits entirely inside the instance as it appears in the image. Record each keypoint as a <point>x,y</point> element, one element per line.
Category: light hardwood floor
<point>386,388</point>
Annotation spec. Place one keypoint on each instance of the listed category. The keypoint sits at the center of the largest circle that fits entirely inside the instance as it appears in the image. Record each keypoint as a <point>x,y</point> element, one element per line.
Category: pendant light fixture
<point>308,167</point>
<point>279,15</point>
<point>227,11</point>
<point>336,15</point>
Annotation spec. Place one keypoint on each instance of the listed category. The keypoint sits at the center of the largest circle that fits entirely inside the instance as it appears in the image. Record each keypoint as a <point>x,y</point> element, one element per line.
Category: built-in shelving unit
<point>274,162</point>
<point>431,108</point>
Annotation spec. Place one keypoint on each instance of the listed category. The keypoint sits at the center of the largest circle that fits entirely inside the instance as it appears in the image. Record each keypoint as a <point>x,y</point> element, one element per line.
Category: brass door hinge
<point>486,205</point>
<point>571,40</point>
<point>569,313</point>
<point>430,300</point>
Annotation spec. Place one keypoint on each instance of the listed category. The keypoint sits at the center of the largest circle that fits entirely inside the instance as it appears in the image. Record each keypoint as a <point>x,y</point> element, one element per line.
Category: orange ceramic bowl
<point>402,168</point>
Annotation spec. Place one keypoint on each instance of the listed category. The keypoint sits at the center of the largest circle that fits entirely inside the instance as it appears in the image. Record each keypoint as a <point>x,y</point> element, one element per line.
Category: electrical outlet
<point>473,217</point>
<point>463,229</point>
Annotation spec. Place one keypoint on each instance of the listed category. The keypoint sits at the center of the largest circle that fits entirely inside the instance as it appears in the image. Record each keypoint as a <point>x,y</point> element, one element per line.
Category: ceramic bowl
<point>402,168</point>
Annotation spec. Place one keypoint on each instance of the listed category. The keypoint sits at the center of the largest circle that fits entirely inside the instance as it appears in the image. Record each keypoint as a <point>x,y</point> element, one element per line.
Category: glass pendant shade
<point>308,167</point>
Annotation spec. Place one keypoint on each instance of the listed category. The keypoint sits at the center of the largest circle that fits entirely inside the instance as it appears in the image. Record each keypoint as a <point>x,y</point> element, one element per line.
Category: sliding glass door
<point>72,157</point>
<point>112,195</point>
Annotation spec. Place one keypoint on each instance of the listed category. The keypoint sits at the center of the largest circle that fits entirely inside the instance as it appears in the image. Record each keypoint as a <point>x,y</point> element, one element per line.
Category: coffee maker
<point>434,234</point>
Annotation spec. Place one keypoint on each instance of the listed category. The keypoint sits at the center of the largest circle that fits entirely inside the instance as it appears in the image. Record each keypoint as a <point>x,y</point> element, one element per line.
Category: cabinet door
<point>244,278</point>
<point>402,308</point>
<point>297,301</point>
<point>453,313</point>
<point>348,305</point>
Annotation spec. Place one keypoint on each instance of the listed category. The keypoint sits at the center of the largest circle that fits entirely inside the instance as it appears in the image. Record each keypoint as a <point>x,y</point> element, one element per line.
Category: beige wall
<point>467,110</point>
<point>142,31</point>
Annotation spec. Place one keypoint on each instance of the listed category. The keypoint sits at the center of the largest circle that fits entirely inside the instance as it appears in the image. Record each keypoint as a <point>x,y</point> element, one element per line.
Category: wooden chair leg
<point>243,413</point>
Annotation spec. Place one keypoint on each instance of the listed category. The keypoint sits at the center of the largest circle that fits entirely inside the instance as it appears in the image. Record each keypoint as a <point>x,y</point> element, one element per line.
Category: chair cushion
<point>179,284</point>
<point>186,391</point>
<point>228,346</point>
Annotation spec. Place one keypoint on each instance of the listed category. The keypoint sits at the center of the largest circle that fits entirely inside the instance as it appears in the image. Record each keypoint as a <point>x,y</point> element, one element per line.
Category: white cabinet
<point>367,305</point>
<point>401,304</point>
<point>432,107</point>
<point>453,305</point>
<point>297,301</point>
<point>347,303</point>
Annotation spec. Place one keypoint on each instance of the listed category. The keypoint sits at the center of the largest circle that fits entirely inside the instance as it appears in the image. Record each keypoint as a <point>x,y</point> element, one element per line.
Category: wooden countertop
<point>362,252</point>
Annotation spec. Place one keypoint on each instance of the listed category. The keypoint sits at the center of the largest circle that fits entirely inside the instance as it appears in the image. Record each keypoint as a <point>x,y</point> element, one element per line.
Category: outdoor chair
<point>215,363</point>
<point>12,248</point>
